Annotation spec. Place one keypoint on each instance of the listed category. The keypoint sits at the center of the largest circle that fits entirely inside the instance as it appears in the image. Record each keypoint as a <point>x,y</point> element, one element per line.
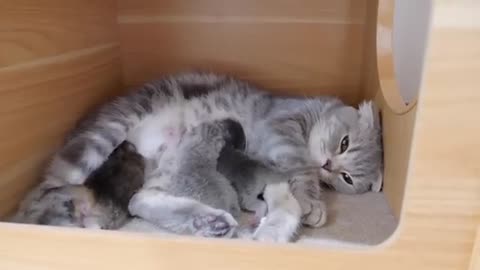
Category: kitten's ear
<point>378,183</point>
<point>129,146</point>
<point>369,114</point>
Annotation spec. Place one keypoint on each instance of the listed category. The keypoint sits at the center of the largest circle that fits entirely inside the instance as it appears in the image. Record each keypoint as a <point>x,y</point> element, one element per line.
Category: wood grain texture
<point>386,68</point>
<point>265,54</point>
<point>31,30</point>
<point>57,59</point>
<point>441,212</point>
<point>397,119</point>
<point>370,84</point>
<point>340,11</point>
<point>39,104</point>
<point>288,46</point>
<point>475,258</point>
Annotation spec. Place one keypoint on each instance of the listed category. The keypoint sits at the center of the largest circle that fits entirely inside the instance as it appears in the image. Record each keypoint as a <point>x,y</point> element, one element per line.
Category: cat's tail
<point>96,136</point>
<point>284,215</point>
<point>101,132</point>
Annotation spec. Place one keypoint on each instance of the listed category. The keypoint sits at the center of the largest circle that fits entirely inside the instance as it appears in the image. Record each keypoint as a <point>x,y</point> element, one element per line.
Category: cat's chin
<point>325,179</point>
<point>326,186</point>
<point>324,176</point>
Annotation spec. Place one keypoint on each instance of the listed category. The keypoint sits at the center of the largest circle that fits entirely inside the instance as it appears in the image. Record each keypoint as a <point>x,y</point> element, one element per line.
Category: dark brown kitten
<point>120,177</point>
<point>101,203</point>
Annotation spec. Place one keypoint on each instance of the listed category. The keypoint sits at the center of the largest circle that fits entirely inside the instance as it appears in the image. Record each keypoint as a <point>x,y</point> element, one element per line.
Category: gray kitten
<point>210,171</point>
<point>257,185</point>
<point>286,133</point>
<point>102,202</point>
<point>198,200</point>
<point>249,177</point>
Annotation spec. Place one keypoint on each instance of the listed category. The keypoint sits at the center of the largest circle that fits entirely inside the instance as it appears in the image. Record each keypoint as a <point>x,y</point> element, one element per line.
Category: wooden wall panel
<point>38,105</point>
<point>316,47</point>
<point>31,30</point>
<point>346,11</point>
<point>57,59</point>
<point>439,226</point>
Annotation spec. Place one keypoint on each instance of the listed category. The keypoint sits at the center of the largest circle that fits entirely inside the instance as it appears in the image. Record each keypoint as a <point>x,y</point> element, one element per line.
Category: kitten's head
<point>233,134</point>
<point>68,206</point>
<point>213,136</point>
<point>346,144</point>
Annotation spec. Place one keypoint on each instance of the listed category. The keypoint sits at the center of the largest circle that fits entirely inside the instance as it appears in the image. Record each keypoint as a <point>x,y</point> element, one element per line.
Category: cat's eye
<point>347,178</point>
<point>344,144</point>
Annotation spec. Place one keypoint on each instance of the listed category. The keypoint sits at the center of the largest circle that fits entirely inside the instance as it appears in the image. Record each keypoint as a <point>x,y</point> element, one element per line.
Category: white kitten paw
<point>221,224</point>
<point>267,232</point>
<point>314,212</point>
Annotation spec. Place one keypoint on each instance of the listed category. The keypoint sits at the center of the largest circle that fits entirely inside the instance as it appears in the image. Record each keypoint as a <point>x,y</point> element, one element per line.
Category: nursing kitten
<point>197,199</point>
<point>208,172</point>
<point>102,202</point>
<point>276,217</point>
<point>290,134</point>
<point>249,178</point>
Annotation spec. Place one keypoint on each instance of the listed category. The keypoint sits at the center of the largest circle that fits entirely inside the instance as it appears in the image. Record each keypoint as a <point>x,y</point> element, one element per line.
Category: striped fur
<point>279,131</point>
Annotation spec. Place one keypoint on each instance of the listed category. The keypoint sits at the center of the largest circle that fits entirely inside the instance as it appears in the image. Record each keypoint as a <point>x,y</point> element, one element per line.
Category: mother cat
<point>311,139</point>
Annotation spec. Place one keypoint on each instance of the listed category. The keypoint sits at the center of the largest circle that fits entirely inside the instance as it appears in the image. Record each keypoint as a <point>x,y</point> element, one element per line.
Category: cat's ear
<point>369,114</point>
<point>378,183</point>
<point>347,114</point>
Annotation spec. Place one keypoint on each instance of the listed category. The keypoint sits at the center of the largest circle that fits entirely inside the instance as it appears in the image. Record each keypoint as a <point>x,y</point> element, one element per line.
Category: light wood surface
<point>57,59</point>
<point>346,11</point>
<point>32,30</point>
<point>475,258</point>
<point>441,207</point>
<point>314,47</point>
<point>379,83</point>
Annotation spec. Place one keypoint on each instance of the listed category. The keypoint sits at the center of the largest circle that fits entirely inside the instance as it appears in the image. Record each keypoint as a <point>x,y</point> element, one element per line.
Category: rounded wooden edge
<point>385,60</point>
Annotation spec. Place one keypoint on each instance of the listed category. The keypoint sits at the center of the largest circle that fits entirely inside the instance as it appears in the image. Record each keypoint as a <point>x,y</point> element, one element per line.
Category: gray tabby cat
<point>339,143</point>
<point>102,202</point>
<point>189,173</point>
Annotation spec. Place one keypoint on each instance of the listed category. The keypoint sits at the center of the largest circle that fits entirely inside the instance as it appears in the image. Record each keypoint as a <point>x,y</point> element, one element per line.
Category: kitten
<point>198,200</point>
<point>102,202</point>
<point>289,134</point>
<point>248,177</point>
<point>229,180</point>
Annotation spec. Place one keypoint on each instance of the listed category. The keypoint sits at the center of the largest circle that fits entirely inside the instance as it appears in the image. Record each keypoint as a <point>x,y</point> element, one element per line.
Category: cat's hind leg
<point>181,214</point>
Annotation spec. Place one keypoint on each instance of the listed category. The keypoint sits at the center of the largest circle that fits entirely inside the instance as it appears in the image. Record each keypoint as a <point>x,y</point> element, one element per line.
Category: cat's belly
<point>158,131</point>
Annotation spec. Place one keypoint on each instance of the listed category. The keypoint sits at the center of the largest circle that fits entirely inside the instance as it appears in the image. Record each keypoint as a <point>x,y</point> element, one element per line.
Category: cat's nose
<point>327,166</point>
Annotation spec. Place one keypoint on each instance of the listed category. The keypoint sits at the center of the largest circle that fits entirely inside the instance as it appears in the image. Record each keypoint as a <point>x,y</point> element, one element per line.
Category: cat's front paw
<point>220,224</point>
<point>314,212</point>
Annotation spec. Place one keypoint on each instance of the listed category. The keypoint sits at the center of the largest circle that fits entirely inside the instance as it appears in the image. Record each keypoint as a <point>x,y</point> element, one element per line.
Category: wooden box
<point>59,59</point>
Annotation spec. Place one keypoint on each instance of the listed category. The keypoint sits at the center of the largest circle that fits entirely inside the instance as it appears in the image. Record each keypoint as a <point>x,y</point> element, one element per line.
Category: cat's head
<point>346,143</point>
<point>67,206</point>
